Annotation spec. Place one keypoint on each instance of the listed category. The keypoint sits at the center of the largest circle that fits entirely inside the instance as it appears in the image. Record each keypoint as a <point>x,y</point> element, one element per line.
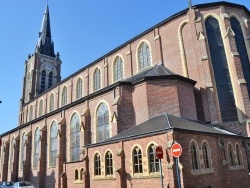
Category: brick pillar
<point>5,161</point>
<point>128,62</point>
<point>105,74</point>
<point>61,159</point>
<point>27,160</point>
<point>14,171</point>
<point>119,168</point>
<point>43,156</point>
<point>158,48</point>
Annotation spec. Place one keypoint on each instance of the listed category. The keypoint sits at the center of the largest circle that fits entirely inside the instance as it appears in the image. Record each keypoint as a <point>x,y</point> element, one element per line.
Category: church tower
<point>43,67</point>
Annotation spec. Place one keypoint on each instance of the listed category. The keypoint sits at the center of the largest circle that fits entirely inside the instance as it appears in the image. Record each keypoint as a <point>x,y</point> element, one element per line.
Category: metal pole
<point>177,172</point>
<point>161,175</point>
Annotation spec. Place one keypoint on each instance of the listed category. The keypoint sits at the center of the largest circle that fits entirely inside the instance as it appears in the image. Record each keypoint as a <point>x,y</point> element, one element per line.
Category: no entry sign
<point>158,152</point>
<point>176,150</point>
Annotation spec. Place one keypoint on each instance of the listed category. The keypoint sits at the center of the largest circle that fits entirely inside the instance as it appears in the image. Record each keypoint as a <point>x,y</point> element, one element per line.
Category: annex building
<point>185,80</point>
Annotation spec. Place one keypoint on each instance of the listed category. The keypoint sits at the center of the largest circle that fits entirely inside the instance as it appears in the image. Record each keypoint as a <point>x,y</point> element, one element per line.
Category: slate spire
<point>45,44</point>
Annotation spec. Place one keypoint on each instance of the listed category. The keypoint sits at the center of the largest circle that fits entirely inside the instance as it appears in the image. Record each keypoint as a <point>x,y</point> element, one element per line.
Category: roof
<point>158,71</point>
<point>165,122</point>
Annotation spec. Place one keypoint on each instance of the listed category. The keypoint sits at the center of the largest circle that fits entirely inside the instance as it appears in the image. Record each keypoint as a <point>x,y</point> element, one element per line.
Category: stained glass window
<point>36,147</point>
<point>118,69</point>
<point>103,127</point>
<point>75,137</point>
<point>137,160</point>
<point>109,163</point>
<point>97,165</point>
<point>242,50</point>
<point>53,143</point>
<point>79,88</point>
<point>238,155</point>
<point>231,155</point>
<point>31,113</point>
<point>40,110</point>
<point>154,163</point>
<point>205,155</point>
<point>194,158</point>
<point>221,71</point>
<point>51,102</point>
<point>64,96</point>
<point>97,79</point>
<point>144,56</point>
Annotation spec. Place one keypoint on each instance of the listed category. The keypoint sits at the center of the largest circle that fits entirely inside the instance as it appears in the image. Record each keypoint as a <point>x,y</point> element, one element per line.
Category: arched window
<point>81,173</point>
<point>75,137</point>
<point>28,86</point>
<point>97,165</point>
<point>109,163</point>
<point>97,79</point>
<point>221,71</point>
<point>137,160</point>
<point>50,81</point>
<point>205,154</point>
<point>144,56</point>
<point>64,96</point>
<point>76,175</point>
<point>154,163</point>
<point>12,147</point>
<point>36,147</point>
<point>118,69</point>
<point>53,143</point>
<point>231,155</point>
<point>242,50</point>
<point>79,88</point>
<point>238,153</point>
<point>23,150</point>
<point>51,102</point>
<point>43,80</point>
<point>31,113</point>
<point>103,127</point>
<point>194,158</point>
<point>40,110</point>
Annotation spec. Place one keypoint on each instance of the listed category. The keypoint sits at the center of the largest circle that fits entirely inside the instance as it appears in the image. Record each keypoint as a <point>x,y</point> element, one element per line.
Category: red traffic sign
<point>176,150</point>
<point>158,152</point>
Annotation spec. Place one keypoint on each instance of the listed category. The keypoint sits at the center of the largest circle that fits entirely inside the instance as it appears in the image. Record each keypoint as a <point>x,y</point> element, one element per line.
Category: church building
<point>185,80</point>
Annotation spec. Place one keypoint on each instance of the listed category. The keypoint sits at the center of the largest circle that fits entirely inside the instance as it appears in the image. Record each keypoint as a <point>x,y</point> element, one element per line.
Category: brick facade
<point>181,83</point>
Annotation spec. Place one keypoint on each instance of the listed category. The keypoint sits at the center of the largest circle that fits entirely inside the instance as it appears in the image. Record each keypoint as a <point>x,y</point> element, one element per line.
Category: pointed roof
<point>45,44</point>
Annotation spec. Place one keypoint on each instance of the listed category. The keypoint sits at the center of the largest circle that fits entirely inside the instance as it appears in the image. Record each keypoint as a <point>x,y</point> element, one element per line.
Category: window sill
<point>99,178</point>
<point>202,171</point>
<point>78,182</point>
<point>236,167</point>
<point>150,176</point>
<point>52,166</point>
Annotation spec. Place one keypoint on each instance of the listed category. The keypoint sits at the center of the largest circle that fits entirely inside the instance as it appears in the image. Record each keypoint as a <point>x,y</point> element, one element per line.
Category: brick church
<point>185,80</point>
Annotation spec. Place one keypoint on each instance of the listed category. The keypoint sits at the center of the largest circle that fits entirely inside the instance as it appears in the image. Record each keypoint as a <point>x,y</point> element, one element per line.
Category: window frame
<point>75,118</point>
<point>103,113</point>
<point>97,74</point>
<point>64,95</point>
<point>144,60</point>
<point>37,146</point>
<point>53,140</point>
<point>194,151</point>
<point>97,165</point>
<point>40,108</point>
<point>51,102</point>
<point>109,164</point>
<point>79,84</point>
<point>118,69</point>
<point>23,150</point>
<point>137,160</point>
<point>152,160</point>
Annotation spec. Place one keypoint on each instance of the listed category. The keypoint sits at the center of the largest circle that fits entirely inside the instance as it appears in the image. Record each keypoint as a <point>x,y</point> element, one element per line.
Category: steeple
<point>45,44</point>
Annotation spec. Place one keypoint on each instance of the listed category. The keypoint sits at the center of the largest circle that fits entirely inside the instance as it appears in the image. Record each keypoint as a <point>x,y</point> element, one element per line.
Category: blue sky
<point>81,30</point>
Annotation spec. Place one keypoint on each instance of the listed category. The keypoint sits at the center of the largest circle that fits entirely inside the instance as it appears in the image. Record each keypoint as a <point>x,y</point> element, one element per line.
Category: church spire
<point>45,44</point>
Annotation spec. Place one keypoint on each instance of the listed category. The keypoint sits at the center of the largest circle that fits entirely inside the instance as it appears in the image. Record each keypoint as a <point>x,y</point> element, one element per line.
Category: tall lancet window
<point>23,150</point>
<point>31,113</point>
<point>28,86</point>
<point>102,127</point>
<point>36,147</point>
<point>79,88</point>
<point>64,96</point>
<point>118,69</point>
<point>221,71</point>
<point>53,143</point>
<point>50,81</point>
<point>144,56</point>
<point>43,80</point>
<point>242,50</point>
<point>97,79</point>
<point>75,137</point>
<point>51,102</point>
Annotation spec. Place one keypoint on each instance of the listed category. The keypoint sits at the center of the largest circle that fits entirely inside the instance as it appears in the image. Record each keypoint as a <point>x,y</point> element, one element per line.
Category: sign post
<point>176,151</point>
<point>159,155</point>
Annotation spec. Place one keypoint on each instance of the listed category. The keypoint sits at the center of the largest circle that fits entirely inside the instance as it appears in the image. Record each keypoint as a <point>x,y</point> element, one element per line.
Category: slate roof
<point>164,122</point>
<point>157,71</point>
